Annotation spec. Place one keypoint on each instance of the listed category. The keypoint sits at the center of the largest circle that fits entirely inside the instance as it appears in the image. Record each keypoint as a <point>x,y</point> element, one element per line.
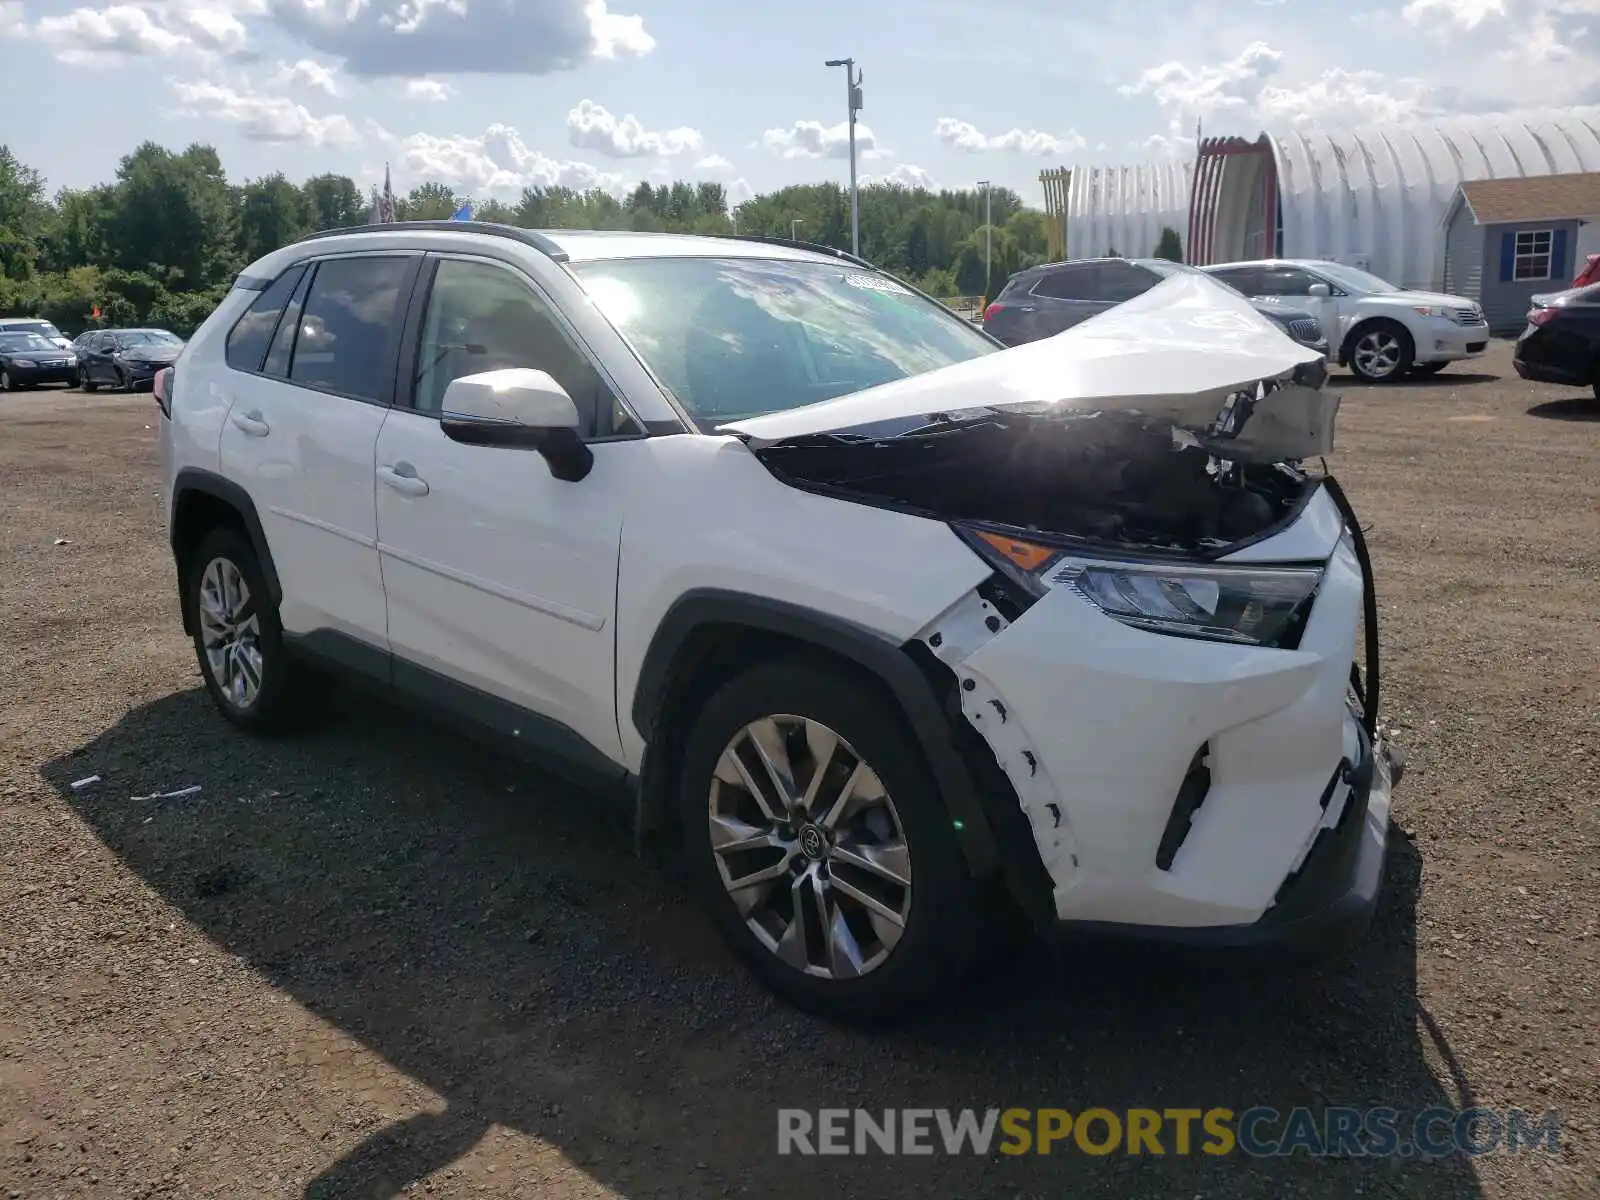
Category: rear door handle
<point>251,423</point>
<point>402,477</point>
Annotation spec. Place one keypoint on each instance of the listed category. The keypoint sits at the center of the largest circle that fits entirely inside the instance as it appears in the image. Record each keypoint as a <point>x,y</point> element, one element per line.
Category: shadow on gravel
<point>1568,408</point>
<point>1445,378</point>
<point>492,935</point>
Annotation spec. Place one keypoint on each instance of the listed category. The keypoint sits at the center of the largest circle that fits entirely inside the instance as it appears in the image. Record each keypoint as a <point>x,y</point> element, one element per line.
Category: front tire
<point>1381,352</point>
<point>5,382</point>
<point>84,381</point>
<point>237,639</point>
<point>814,832</point>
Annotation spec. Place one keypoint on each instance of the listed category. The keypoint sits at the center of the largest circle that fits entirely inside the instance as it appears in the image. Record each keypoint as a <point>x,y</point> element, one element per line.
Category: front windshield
<point>738,337</point>
<point>1354,279</point>
<point>24,341</point>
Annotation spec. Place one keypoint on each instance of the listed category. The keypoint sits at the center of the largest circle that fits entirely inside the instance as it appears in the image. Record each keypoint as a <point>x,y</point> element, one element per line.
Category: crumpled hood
<point>153,352</point>
<point>1178,351</point>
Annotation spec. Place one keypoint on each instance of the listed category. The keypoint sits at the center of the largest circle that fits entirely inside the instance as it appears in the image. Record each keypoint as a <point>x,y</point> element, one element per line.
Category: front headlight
<point>1253,605</point>
<point>23,362</point>
<point>1429,310</point>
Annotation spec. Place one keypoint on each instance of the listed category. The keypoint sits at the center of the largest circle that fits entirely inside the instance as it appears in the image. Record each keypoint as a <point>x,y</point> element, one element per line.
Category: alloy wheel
<point>5,381</point>
<point>1378,353</point>
<point>230,633</point>
<point>810,847</point>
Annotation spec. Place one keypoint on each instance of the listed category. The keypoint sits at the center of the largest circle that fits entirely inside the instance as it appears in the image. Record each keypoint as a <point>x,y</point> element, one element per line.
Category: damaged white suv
<point>885,620</point>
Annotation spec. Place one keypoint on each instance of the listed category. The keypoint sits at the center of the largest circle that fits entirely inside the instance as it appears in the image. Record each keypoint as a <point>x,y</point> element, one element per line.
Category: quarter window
<point>1533,254</point>
<point>349,328</point>
<point>482,317</point>
<point>247,340</point>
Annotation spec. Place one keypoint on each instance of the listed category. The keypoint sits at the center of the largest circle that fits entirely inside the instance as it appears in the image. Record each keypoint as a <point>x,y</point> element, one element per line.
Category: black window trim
<point>411,340</point>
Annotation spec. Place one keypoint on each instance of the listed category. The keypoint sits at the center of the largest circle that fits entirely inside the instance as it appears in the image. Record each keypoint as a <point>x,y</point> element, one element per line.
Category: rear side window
<point>1074,284</point>
<point>1121,281</point>
<point>248,339</point>
<point>350,326</point>
<point>283,341</point>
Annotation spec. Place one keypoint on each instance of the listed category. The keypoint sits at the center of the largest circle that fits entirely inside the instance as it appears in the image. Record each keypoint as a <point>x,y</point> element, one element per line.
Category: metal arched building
<point>1374,196</point>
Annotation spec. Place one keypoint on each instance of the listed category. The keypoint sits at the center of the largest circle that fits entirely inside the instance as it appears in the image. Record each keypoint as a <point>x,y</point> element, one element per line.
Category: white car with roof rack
<point>880,617</point>
<point>1383,333</point>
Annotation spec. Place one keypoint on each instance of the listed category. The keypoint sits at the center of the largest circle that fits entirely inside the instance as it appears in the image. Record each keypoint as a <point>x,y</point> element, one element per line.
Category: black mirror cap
<point>568,455</point>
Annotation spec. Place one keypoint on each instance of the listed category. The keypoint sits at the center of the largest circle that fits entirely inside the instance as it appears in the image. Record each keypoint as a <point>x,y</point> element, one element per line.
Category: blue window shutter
<point>1560,268</point>
<point>1508,255</point>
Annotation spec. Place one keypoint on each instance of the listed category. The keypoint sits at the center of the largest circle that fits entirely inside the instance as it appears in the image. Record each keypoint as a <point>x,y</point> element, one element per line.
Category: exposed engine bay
<point>1114,476</point>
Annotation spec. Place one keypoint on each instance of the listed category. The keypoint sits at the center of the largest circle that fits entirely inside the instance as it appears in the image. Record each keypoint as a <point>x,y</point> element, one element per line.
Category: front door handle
<point>402,477</point>
<point>251,423</point>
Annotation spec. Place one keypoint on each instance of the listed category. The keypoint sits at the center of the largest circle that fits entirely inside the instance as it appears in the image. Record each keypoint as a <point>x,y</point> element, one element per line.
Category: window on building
<point>1534,248</point>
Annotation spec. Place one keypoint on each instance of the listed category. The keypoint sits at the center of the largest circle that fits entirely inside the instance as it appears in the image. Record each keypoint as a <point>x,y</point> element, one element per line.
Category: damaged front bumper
<point>1206,793</point>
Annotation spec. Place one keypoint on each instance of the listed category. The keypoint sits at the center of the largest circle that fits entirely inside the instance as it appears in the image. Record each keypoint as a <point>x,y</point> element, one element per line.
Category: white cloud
<point>497,161</point>
<point>429,89</point>
<point>1512,53</point>
<point>813,139</point>
<point>162,28</point>
<point>13,18</point>
<point>738,192</point>
<point>306,74</point>
<point>421,37</point>
<point>713,162</point>
<point>904,175</point>
<point>263,118</point>
<point>963,135</point>
<point>1239,96</point>
<point>592,127</point>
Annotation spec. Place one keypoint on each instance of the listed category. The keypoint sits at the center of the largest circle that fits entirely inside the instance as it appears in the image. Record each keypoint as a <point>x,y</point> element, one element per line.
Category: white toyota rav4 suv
<point>887,621</point>
<point>1383,333</point>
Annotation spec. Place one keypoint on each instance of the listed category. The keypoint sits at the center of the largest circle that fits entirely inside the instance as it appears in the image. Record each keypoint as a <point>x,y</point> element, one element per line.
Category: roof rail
<point>794,244</point>
<point>528,237</point>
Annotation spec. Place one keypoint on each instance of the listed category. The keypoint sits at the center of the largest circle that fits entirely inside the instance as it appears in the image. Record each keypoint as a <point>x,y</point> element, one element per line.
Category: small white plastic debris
<point>84,782</point>
<point>62,542</point>
<point>188,791</point>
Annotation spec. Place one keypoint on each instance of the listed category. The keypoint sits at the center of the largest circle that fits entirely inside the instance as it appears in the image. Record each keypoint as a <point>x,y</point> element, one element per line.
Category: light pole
<point>794,229</point>
<point>852,85</point>
<point>988,238</point>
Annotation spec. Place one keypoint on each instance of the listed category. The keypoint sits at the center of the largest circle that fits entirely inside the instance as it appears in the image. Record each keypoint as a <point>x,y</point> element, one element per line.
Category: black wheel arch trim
<point>196,480</point>
<point>883,658</point>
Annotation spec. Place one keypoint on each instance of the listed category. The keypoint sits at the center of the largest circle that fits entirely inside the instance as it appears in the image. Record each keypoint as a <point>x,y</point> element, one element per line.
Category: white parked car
<point>886,620</point>
<point>1381,332</point>
<point>36,325</point>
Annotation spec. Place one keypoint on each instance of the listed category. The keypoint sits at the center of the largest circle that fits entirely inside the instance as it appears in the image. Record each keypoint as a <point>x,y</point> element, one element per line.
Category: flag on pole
<point>464,213</point>
<point>386,199</point>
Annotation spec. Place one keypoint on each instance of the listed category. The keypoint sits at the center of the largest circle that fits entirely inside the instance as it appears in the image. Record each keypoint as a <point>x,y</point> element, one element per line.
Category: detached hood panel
<point>1177,352</point>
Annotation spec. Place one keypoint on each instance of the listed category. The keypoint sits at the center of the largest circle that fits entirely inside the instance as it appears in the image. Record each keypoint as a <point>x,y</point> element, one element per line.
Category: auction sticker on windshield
<point>876,283</point>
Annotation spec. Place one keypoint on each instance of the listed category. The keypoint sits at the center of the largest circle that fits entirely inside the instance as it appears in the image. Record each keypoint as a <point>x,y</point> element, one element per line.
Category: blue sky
<point>492,95</point>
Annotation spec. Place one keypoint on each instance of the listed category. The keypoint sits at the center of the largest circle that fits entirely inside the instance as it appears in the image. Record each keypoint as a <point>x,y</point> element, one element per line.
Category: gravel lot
<point>375,957</point>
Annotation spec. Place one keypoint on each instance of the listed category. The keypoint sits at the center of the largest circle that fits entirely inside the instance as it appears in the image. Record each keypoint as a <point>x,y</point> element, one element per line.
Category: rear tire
<point>238,639</point>
<point>1381,352</point>
<point>875,822</point>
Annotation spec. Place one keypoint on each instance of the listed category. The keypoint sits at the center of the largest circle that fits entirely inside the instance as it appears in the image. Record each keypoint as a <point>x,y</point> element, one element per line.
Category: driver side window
<point>482,317</point>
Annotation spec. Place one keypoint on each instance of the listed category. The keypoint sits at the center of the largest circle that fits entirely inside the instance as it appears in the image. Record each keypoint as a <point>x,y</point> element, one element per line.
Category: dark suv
<point>1047,299</point>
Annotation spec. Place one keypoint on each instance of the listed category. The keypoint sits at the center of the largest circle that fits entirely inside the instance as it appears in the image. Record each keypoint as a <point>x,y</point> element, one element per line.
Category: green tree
<point>273,212</point>
<point>334,201</point>
<point>23,213</point>
<point>428,202</point>
<point>1170,247</point>
<point>175,217</point>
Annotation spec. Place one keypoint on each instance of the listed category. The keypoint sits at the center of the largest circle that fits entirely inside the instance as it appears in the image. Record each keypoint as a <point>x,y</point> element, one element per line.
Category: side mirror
<point>518,408</point>
<point>1320,291</point>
